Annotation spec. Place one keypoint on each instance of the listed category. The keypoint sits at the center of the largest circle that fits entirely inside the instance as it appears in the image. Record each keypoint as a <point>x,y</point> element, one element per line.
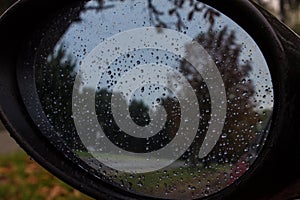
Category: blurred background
<point>22,178</point>
<point>287,11</point>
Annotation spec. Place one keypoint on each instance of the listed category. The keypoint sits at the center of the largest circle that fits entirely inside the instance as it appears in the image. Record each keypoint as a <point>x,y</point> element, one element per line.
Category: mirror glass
<point>165,99</point>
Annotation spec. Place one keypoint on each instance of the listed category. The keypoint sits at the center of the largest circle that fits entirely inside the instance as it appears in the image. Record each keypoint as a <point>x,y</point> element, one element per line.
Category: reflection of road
<point>137,166</point>
<point>134,164</point>
<point>7,144</point>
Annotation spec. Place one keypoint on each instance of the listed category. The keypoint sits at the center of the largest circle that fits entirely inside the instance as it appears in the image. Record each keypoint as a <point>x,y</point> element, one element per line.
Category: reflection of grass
<point>22,178</point>
<point>178,183</point>
<point>175,181</point>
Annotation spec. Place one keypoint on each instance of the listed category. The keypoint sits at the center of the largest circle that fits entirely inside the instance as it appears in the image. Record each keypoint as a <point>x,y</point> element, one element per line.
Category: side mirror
<point>153,99</point>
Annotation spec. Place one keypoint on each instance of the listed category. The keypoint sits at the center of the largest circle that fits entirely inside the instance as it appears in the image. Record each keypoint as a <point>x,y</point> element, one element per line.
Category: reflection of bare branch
<point>177,6</point>
<point>211,14</point>
<point>155,14</point>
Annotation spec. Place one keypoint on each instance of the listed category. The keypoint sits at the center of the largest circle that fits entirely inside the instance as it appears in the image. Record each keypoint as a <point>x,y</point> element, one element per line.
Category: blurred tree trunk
<point>282,4</point>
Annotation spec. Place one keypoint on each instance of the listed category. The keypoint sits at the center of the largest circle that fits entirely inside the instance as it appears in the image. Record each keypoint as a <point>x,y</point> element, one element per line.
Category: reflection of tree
<point>139,113</point>
<point>241,119</point>
<point>54,83</point>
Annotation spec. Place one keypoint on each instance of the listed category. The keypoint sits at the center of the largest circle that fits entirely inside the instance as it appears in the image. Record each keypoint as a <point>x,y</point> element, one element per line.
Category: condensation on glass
<point>160,99</point>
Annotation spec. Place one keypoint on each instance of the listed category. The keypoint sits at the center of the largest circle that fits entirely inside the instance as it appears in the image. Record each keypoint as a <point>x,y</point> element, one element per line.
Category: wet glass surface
<point>169,103</point>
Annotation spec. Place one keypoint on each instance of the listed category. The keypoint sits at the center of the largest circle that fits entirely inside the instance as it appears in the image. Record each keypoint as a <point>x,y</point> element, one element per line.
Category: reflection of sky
<point>95,26</point>
<point>140,57</point>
